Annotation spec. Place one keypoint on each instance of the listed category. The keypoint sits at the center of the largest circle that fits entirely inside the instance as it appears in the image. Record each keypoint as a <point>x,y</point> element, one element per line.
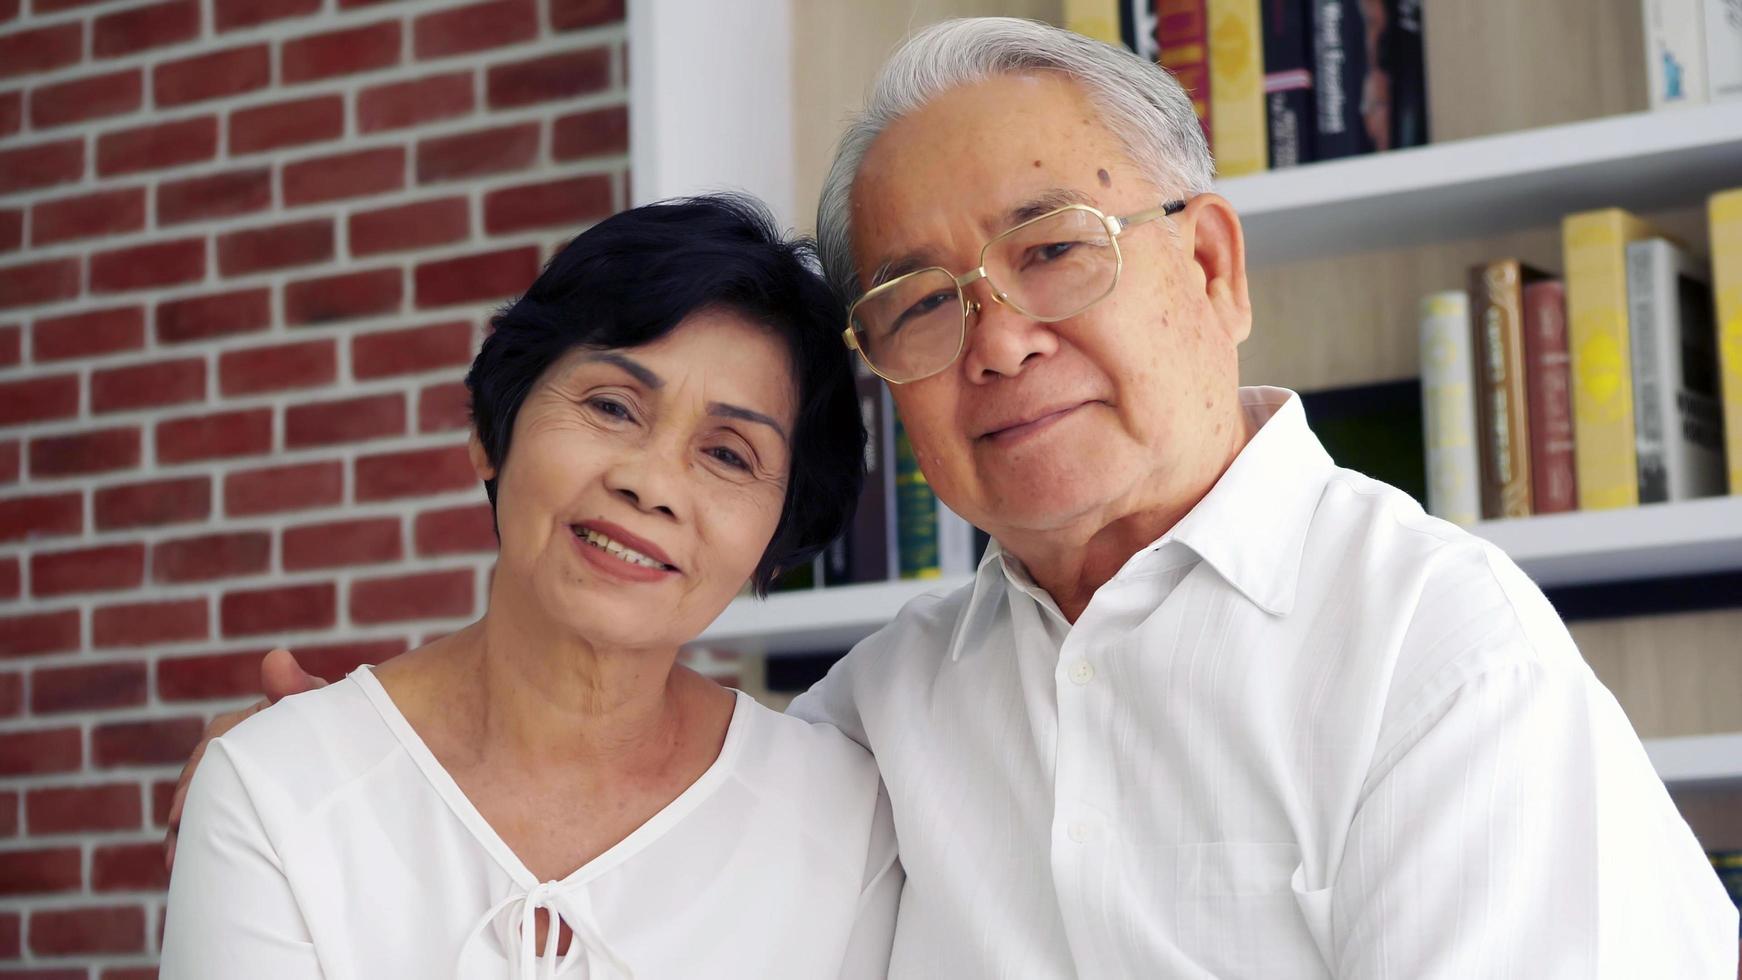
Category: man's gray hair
<point>1139,101</point>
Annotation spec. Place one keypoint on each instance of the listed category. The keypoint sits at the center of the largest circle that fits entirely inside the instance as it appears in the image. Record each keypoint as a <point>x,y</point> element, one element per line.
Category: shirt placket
<point>1082,830</point>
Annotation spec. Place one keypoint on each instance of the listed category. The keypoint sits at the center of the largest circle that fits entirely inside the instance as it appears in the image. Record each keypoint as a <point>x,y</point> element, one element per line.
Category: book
<point>1728,864</point>
<point>1724,214</point>
<point>1237,87</point>
<point>1291,112</point>
<point>1593,246</point>
<point>1339,68</point>
<point>1137,27</point>
<point>1402,58</point>
<point>866,547</point>
<point>1502,408</point>
<point>1676,417</point>
<point>1098,19</point>
<point>957,554</point>
<point>1548,391</point>
<point>916,514</point>
<point>1723,26</point>
<point>1448,408</point>
<point>1369,76</point>
<point>1675,51</point>
<point>1182,43</point>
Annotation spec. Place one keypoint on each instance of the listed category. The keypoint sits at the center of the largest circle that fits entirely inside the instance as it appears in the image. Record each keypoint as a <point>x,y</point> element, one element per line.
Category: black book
<point>1291,109</point>
<point>864,553</point>
<point>1339,72</point>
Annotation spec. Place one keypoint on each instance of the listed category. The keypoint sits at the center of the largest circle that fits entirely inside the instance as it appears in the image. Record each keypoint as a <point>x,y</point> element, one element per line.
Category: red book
<point>1548,382</point>
<point>1182,33</point>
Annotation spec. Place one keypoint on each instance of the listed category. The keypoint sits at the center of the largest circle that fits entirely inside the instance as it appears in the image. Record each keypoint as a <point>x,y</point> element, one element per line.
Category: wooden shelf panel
<point>1654,541</point>
<point>1487,186</point>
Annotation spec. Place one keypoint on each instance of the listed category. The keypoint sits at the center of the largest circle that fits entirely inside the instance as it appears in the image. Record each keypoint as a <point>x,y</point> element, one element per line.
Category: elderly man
<point>1211,707</point>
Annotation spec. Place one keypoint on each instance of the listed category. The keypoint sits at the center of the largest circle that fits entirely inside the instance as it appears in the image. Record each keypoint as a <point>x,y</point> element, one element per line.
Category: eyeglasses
<point>1049,268</point>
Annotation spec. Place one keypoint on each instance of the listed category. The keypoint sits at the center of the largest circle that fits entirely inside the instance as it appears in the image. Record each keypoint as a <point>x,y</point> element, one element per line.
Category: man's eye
<point>1051,252</point>
<point>925,307</point>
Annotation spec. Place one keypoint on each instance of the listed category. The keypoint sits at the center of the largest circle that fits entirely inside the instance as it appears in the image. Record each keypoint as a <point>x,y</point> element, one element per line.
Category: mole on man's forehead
<point>1106,179</point>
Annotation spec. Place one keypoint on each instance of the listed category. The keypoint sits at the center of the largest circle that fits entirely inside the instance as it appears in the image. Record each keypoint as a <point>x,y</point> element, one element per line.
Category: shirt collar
<point>1251,527</point>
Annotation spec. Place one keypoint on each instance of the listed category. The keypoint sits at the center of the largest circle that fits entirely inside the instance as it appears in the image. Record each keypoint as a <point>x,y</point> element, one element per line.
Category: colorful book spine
<point>1448,409</point>
<point>916,513</point>
<point>1548,389</point>
<point>1339,70</point>
<point>1724,213</point>
<point>1098,19</point>
<point>1237,87</point>
<point>1594,247</point>
<point>1291,114</point>
<point>1182,38</point>
<point>1502,409</point>
<point>956,554</point>
<point>1676,417</point>
<point>1723,49</point>
<point>1675,51</point>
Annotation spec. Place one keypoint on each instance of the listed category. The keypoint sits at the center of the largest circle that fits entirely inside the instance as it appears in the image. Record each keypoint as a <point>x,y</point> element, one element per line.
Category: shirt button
<point>1082,672</point>
<point>1080,832</point>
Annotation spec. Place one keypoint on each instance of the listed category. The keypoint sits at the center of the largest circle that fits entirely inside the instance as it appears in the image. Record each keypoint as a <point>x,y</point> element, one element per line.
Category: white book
<point>1677,423</point>
<point>1448,408</point>
<point>1723,49</point>
<point>1675,51</point>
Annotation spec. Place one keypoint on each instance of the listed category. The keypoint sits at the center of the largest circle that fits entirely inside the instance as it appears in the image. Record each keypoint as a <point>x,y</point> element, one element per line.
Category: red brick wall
<point>246,250</point>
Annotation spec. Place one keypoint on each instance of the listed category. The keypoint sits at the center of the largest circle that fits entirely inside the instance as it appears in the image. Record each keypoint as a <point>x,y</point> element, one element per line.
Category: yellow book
<point>1098,19</point>
<point>1725,214</point>
<point>1594,248</point>
<point>1237,87</point>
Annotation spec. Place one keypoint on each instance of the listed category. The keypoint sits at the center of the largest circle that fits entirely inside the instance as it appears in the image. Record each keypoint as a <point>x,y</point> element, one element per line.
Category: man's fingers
<point>219,726</point>
<point>281,676</point>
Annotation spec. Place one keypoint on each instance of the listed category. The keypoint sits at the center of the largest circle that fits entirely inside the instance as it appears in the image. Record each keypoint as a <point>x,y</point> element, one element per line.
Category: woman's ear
<point>481,464</point>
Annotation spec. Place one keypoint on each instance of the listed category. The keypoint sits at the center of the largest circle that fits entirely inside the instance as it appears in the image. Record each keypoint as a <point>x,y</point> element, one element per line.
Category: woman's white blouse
<point>322,838</point>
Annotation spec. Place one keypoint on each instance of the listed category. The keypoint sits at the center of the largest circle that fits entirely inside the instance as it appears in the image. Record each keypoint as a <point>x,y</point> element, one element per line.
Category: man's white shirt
<point>1308,732</point>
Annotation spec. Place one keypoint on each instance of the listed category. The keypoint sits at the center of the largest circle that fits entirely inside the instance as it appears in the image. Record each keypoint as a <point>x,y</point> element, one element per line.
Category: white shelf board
<point>1489,185</point>
<point>1695,759</point>
<point>818,619</point>
<point>1653,541</point>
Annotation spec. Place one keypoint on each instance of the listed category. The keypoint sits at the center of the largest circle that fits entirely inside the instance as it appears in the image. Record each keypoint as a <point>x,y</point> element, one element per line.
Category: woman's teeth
<point>630,555</point>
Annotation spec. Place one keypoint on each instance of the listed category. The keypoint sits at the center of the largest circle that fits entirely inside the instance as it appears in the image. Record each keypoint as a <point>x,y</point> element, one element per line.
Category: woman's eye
<point>612,408</point>
<point>730,458</point>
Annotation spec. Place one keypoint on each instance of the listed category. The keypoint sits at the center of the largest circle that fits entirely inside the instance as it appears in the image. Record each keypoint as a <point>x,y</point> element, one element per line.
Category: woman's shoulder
<point>308,745</point>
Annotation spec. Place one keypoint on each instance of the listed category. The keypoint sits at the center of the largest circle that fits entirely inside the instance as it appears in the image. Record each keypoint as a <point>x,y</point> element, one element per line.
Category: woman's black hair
<point>632,278</point>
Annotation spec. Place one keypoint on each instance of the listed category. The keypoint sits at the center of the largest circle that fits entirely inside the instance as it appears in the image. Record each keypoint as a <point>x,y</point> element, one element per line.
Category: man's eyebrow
<point>635,368</point>
<point>901,265</point>
<point>1045,201</point>
<point>737,412</point>
<point>1048,200</point>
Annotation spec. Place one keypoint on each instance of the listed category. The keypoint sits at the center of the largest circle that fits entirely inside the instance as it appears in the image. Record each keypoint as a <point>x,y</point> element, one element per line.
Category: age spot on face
<point>1037,163</point>
<point>1105,178</point>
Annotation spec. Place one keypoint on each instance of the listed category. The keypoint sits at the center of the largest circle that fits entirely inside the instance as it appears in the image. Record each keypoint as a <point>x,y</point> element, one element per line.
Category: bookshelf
<point>1488,185</point>
<point>1584,547</point>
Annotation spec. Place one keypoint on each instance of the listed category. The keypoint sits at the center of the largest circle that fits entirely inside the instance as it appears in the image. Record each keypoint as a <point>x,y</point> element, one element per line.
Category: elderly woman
<point>666,415</point>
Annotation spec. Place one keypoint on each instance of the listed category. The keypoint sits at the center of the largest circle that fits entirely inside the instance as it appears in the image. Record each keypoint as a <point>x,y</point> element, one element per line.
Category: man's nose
<point>1002,340</point>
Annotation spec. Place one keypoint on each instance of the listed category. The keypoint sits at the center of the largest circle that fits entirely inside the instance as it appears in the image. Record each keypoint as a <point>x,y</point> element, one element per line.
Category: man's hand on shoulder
<point>280,677</point>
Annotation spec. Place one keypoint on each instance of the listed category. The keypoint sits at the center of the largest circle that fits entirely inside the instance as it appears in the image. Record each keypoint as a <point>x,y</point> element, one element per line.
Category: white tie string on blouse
<point>518,913</point>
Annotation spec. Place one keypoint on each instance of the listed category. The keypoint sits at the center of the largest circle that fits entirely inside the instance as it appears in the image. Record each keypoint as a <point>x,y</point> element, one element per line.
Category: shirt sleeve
<point>231,909</point>
<point>830,701</point>
<point>1516,828</point>
<point>868,949</point>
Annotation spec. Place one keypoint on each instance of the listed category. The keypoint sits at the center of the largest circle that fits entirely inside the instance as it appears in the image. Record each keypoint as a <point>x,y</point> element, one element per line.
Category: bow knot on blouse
<point>513,922</point>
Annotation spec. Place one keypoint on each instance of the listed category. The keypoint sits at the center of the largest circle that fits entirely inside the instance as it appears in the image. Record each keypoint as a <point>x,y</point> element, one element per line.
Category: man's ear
<point>1218,248</point>
<point>481,464</point>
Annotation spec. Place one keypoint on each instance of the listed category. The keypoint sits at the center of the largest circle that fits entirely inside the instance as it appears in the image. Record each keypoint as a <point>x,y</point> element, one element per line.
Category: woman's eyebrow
<point>736,412</point>
<point>635,368</point>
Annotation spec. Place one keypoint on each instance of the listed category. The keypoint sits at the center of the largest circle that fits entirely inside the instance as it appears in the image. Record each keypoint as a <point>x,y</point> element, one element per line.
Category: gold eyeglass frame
<point>1114,226</point>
